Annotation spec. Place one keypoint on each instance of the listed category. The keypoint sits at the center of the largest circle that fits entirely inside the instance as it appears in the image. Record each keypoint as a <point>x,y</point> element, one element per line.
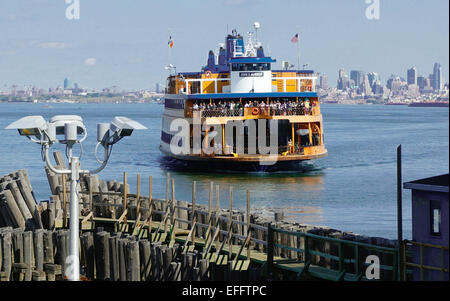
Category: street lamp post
<point>45,133</point>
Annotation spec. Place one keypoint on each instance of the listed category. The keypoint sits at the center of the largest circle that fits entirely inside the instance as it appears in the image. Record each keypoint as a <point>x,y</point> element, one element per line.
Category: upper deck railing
<point>253,111</point>
<point>192,86</point>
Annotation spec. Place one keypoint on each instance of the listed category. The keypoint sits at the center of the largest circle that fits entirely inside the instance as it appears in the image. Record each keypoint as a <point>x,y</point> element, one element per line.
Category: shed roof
<point>437,183</point>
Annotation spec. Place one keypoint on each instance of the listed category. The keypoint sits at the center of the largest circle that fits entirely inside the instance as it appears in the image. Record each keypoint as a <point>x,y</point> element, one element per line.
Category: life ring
<point>208,73</point>
<point>255,111</point>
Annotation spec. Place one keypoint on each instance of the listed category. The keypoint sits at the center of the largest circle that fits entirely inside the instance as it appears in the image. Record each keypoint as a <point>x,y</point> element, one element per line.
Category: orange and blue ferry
<point>237,107</point>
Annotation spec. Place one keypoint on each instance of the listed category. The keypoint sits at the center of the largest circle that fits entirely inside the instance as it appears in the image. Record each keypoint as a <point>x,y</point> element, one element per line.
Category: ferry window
<point>435,217</point>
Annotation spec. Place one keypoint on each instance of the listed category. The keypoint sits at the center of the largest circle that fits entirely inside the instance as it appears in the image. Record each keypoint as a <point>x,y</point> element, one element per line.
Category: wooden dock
<point>131,236</point>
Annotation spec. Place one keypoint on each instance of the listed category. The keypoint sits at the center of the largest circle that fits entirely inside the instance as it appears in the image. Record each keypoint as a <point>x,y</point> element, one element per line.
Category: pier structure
<point>135,236</point>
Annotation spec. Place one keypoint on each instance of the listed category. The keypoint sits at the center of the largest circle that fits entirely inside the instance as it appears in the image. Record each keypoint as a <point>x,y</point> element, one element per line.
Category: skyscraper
<point>365,86</point>
<point>357,77</point>
<point>437,77</point>
<point>421,82</point>
<point>324,81</point>
<point>412,76</point>
<point>67,84</point>
<point>374,78</point>
<point>343,81</point>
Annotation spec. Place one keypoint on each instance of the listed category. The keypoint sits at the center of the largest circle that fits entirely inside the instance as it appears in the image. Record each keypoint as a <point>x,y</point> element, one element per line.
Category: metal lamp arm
<point>50,166</point>
<point>105,161</point>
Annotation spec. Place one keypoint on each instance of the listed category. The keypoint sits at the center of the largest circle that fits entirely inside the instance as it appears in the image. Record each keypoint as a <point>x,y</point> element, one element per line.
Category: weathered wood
<point>52,180</point>
<point>48,247</point>
<point>204,269</point>
<point>14,211</point>
<point>17,245</point>
<point>101,247</point>
<point>133,257</point>
<point>6,245</point>
<point>28,253</point>
<point>38,276</point>
<point>51,215</point>
<point>175,271</point>
<point>145,263</point>
<point>25,190</point>
<point>29,224</point>
<point>38,237</point>
<point>62,250</point>
<point>114,258</point>
<point>122,248</point>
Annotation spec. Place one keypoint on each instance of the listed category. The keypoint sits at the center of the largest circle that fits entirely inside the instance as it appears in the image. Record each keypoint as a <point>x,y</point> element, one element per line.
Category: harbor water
<point>353,189</point>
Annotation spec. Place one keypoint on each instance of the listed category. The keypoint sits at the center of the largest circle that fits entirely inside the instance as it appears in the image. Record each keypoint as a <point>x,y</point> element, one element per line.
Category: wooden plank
<point>87,217</point>
<point>125,191</point>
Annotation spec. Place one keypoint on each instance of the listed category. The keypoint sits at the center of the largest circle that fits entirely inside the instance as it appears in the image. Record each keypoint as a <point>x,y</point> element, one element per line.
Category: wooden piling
<point>17,245</point>
<point>14,211</point>
<point>122,245</point>
<point>113,259</point>
<point>38,237</point>
<point>48,246</point>
<point>133,257</point>
<point>28,253</point>
<point>144,260</point>
<point>6,260</point>
<point>101,247</point>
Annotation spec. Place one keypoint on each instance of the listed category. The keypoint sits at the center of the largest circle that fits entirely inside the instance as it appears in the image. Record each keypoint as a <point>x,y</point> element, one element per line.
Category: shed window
<point>435,212</point>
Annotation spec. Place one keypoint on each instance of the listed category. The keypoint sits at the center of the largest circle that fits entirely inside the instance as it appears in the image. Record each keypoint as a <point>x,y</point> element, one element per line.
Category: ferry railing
<point>252,111</point>
<point>342,258</point>
<point>421,266</point>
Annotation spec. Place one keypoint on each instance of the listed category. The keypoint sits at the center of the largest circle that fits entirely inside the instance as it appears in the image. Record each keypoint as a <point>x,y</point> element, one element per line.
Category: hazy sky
<point>124,42</point>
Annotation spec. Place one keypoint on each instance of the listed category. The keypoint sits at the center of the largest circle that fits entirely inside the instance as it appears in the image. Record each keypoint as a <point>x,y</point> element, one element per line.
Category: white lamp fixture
<point>71,130</point>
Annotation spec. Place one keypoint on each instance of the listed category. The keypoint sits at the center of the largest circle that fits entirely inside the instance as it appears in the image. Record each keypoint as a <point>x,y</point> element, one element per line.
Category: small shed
<point>430,227</point>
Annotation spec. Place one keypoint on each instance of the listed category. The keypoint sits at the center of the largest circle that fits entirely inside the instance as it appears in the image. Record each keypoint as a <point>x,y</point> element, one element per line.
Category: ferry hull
<point>241,164</point>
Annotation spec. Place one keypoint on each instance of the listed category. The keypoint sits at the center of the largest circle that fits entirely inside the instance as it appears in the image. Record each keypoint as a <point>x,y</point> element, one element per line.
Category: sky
<point>123,43</point>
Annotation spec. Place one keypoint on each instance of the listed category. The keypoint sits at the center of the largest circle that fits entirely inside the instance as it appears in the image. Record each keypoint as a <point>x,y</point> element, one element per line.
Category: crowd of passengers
<point>228,108</point>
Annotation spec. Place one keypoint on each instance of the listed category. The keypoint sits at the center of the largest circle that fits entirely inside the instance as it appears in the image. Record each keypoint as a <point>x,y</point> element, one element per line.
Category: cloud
<point>53,45</point>
<point>90,61</point>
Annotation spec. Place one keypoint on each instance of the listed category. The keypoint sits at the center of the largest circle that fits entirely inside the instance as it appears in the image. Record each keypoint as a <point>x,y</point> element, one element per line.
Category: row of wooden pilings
<point>41,256</point>
<point>142,255</point>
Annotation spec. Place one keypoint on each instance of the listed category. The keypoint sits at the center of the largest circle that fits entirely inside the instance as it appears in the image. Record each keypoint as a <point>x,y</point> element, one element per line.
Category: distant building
<point>358,77</point>
<point>67,84</point>
<point>374,78</point>
<point>437,77</point>
<point>422,82</point>
<point>343,80</point>
<point>413,90</point>
<point>412,76</point>
<point>377,89</point>
<point>366,89</point>
<point>430,226</point>
<point>324,81</point>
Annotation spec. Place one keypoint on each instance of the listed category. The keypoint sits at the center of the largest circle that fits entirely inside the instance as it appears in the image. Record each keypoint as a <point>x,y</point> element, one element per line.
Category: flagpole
<point>298,54</point>
<point>170,53</point>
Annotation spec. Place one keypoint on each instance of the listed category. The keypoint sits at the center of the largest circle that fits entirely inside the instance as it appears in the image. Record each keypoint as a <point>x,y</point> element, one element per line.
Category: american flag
<point>295,38</point>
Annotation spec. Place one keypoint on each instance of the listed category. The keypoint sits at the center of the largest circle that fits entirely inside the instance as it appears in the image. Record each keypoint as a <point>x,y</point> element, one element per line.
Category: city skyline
<point>126,44</point>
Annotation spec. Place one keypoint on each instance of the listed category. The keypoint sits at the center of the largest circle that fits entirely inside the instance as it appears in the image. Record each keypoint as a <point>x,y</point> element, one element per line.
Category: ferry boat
<point>236,107</point>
